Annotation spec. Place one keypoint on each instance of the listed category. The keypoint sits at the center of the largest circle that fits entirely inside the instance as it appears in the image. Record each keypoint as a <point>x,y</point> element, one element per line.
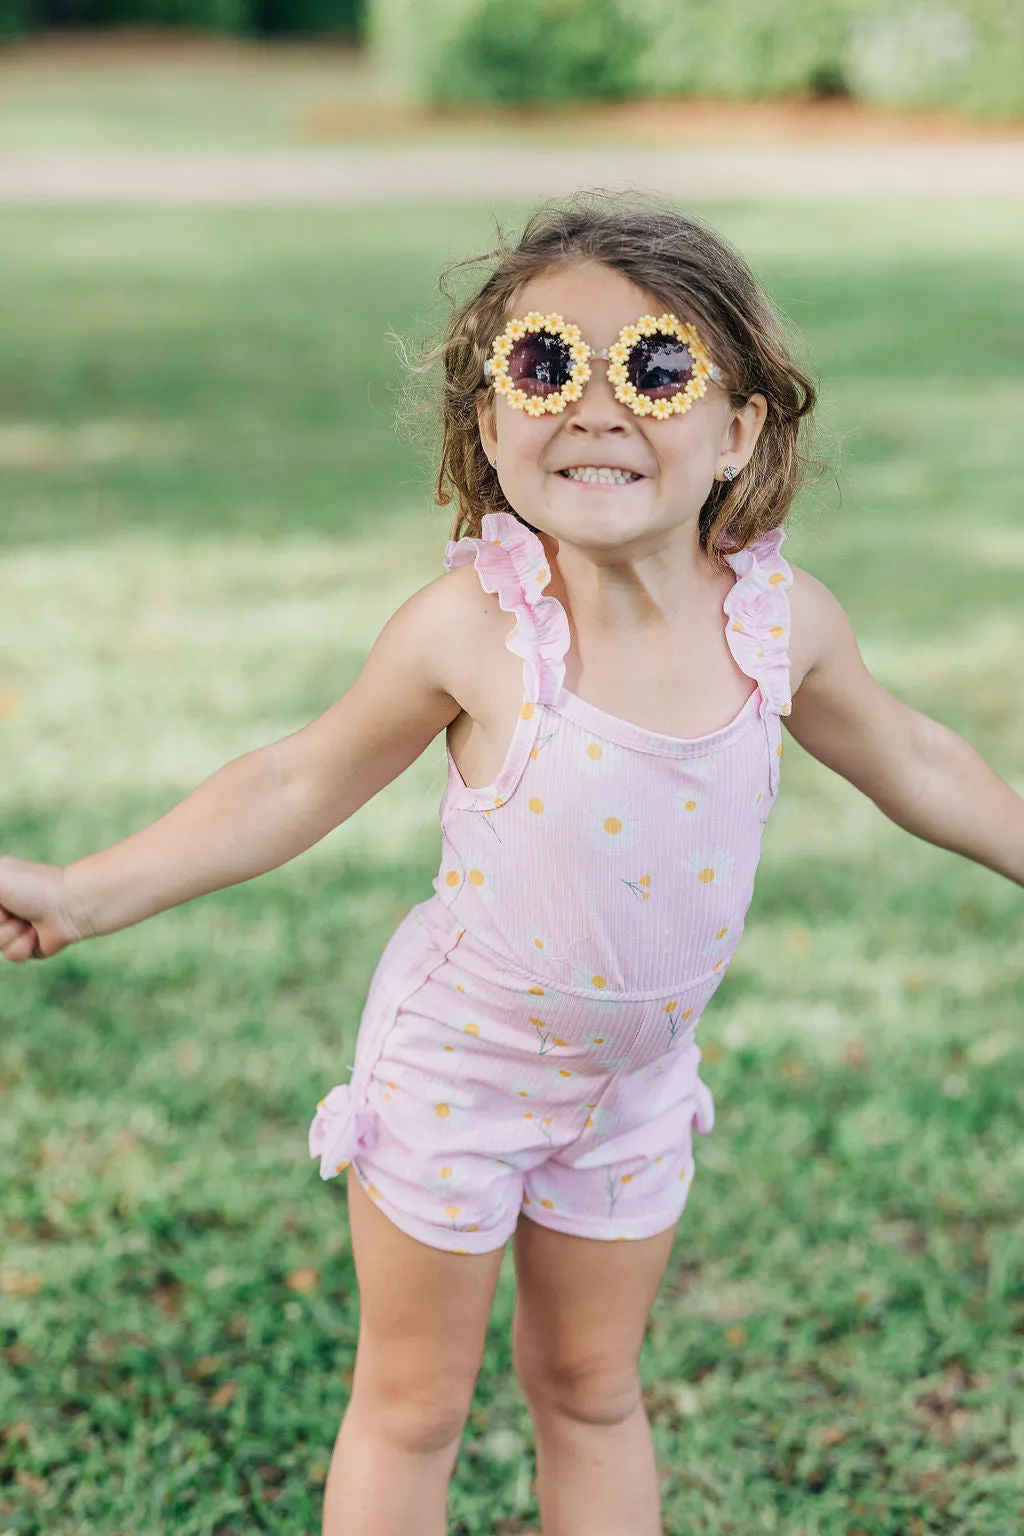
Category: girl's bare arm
<point>919,773</point>
<point>264,808</point>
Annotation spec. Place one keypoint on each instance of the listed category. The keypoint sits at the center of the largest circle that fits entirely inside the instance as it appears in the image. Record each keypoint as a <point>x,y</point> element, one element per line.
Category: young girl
<point>612,653</point>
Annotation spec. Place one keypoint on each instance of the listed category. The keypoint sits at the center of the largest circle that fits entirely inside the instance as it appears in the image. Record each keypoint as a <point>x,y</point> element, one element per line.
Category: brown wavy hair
<point>690,269</point>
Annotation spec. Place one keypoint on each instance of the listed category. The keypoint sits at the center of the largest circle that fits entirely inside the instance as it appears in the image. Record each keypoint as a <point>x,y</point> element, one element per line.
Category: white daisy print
<point>688,803</point>
<point>712,865</point>
<point>483,884</point>
<point>537,811</point>
<point>598,759</point>
<point>611,828</point>
<point>472,1023</point>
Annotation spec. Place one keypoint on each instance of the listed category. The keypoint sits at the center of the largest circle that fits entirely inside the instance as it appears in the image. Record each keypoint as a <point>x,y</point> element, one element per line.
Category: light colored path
<point>432,172</point>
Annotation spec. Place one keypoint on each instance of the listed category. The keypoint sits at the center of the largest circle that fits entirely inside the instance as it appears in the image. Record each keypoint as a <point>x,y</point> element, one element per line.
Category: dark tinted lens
<point>660,366</point>
<point>539,363</point>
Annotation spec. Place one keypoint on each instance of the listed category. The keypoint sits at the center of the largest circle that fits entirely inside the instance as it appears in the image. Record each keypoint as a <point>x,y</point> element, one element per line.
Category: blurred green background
<point>966,54</point>
<point>207,515</point>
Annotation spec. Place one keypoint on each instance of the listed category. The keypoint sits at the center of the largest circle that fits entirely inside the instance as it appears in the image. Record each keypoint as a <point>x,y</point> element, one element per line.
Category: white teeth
<point>601,476</point>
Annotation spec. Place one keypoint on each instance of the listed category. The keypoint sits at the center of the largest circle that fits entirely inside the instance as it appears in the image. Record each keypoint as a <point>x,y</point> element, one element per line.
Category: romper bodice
<point>606,859</point>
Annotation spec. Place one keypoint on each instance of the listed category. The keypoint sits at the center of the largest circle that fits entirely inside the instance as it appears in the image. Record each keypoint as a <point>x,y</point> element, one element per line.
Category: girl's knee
<point>413,1413</point>
<point>590,1390</point>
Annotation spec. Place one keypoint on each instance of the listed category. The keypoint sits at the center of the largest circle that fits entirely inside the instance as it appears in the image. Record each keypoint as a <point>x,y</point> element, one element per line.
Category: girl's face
<point>675,461</point>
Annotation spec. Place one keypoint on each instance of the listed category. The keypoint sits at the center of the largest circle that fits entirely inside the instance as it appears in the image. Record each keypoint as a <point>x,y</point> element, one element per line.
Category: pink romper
<point>528,1041</point>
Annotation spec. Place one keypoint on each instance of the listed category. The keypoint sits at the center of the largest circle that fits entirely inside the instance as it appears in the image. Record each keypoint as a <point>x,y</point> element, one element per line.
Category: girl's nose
<point>597,410</point>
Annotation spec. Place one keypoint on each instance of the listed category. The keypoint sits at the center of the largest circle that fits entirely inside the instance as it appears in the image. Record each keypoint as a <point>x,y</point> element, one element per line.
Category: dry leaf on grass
<point>14,1283</point>
<point>30,1481</point>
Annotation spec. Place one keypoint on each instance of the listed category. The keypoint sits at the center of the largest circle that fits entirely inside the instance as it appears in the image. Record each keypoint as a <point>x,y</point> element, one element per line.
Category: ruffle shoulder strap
<point>757,619</point>
<point>510,561</point>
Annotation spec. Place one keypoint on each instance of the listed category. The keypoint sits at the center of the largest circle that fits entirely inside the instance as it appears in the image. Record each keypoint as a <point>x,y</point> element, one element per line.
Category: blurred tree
<point>964,54</point>
<point>543,51</point>
<point>345,17</point>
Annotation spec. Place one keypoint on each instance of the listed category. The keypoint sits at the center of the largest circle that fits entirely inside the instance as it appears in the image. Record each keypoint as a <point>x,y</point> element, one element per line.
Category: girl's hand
<point>35,921</point>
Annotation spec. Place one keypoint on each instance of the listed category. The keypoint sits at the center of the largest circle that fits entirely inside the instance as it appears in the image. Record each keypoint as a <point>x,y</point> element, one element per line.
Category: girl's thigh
<point>423,1312</point>
<point>582,1306</point>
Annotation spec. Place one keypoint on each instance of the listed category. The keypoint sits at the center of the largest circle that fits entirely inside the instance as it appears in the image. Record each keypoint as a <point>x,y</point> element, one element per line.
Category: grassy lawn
<point>206,519</point>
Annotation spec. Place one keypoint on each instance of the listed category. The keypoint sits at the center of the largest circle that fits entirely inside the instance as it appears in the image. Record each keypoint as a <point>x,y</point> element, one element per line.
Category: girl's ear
<point>742,431</point>
<point>485,423</point>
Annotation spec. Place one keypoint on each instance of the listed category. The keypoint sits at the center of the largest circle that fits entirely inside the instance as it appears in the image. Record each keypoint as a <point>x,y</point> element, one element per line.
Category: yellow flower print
<point>611,828</point>
<point>711,865</point>
<point>641,887</point>
<point>676,1017</point>
<point>614,1185</point>
<point>719,941</point>
<point>547,1037</point>
<point>541,743</point>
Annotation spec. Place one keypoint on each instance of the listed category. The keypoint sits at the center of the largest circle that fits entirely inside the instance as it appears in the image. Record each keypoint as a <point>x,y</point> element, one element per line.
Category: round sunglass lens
<point>540,363</point>
<point>660,366</point>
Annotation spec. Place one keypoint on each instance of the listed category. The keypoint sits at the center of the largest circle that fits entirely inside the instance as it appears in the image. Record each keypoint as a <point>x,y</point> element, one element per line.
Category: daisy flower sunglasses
<point>658,366</point>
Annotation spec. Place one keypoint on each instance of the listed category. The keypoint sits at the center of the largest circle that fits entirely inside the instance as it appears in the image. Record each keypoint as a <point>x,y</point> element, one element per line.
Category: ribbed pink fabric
<point>587,906</point>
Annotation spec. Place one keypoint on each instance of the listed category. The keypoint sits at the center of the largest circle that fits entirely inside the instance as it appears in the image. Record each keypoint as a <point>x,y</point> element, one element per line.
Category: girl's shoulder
<point>464,628</point>
<point>818,624</point>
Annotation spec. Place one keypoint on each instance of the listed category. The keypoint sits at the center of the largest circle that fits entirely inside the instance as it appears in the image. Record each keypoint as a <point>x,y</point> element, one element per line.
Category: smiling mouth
<point>590,474</point>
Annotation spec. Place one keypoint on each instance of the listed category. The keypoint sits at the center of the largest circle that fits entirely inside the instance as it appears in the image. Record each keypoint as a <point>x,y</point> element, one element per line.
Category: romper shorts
<point>479,1093</point>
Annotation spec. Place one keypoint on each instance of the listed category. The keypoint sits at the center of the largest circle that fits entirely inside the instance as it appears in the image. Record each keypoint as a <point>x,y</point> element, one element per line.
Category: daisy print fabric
<point>529,1039</point>
<point>617,841</point>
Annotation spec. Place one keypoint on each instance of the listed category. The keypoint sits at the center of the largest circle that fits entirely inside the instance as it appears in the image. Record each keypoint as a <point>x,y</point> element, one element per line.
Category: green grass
<point>169,93</point>
<point>207,517</point>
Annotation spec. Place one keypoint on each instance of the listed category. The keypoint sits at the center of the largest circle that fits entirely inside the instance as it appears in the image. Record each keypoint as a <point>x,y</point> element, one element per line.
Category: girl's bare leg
<point>423,1321</point>
<point>581,1309</point>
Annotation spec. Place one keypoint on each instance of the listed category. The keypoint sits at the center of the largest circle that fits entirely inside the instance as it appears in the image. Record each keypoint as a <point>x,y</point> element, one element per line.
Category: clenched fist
<point>35,921</point>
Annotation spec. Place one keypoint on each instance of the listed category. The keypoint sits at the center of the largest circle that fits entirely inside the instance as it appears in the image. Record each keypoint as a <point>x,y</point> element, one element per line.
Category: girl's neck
<point>646,589</point>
